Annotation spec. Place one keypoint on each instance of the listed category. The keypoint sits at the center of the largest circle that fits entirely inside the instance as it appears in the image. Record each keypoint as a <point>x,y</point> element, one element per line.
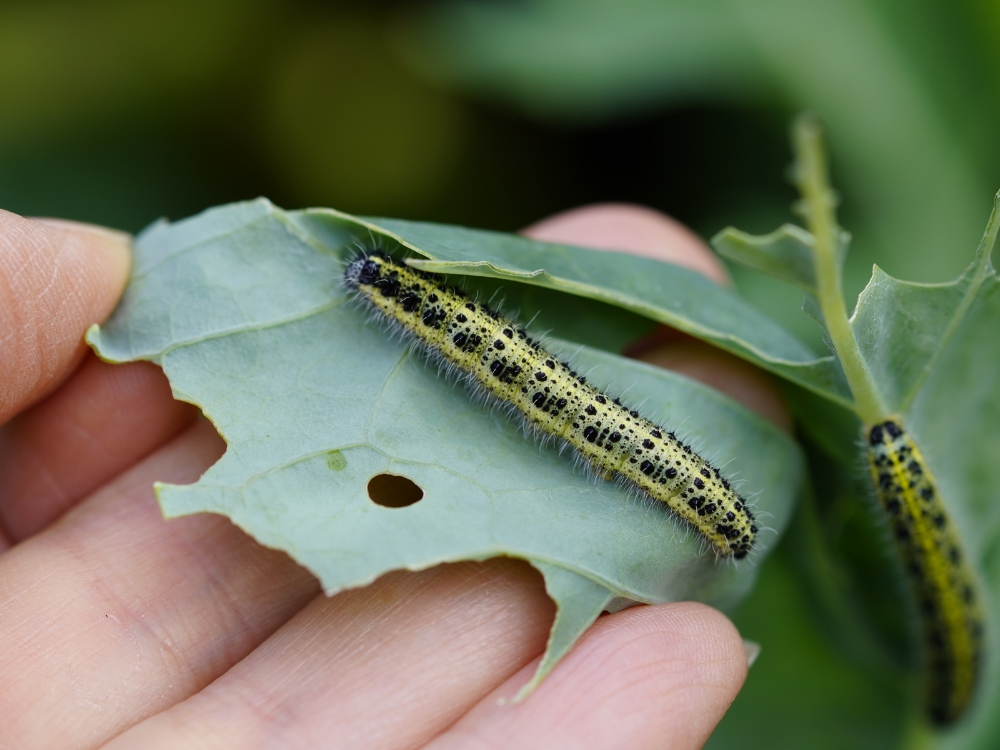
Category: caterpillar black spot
<point>497,355</point>
<point>941,580</point>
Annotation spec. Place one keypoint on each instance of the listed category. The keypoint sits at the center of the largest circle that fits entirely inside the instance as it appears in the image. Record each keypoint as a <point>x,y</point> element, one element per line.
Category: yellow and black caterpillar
<point>498,356</point>
<point>942,582</point>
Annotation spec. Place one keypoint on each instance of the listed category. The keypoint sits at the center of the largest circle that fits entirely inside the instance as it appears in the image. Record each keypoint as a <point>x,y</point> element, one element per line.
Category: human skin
<point>121,629</point>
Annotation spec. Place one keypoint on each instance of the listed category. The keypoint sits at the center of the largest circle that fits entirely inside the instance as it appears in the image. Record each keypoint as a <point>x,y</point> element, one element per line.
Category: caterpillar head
<point>364,269</point>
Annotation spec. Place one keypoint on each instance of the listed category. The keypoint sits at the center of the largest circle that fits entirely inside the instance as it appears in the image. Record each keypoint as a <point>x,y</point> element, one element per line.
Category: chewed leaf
<point>244,309</point>
<point>786,253</point>
<point>902,327</point>
<point>580,601</point>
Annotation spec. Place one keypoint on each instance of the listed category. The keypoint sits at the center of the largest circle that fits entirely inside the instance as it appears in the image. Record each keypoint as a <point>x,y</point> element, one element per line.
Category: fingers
<point>642,231</point>
<point>398,663</point>
<point>387,666</point>
<point>648,677</point>
<point>114,613</point>
<point>104,419</point>
<point>56,279</point>
<point>637,230</point>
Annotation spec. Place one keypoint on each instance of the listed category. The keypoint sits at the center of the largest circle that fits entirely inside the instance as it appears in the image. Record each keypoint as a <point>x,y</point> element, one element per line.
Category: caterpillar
<point>498,357</point>
<point>942,583</point>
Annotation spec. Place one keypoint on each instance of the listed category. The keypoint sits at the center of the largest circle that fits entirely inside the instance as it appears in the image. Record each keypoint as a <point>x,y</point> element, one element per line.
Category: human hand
<point>119,627</point>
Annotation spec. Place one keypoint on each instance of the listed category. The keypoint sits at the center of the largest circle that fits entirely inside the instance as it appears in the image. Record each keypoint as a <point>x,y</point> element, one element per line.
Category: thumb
<point>56,279</point>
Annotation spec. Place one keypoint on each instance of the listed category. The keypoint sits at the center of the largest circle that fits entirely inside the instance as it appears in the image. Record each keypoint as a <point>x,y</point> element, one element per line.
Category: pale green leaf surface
<point>903,327</point>
<point>786,253</point>
<point>579,601</point>
<point>242,307</point>
<point>678,297</point>
<point>956,421</point>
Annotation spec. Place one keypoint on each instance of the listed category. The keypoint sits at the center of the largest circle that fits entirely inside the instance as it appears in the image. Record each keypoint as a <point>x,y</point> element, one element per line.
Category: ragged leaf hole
<point>392,491</point>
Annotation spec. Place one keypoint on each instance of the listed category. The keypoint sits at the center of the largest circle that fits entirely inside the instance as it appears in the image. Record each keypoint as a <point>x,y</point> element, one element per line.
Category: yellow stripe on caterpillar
<point>499,357</point>
<point>942,583</point>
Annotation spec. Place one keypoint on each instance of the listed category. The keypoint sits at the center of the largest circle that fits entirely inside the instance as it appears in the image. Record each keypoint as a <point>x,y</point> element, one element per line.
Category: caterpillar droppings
<point>496,355</point>
<point>941,581</point>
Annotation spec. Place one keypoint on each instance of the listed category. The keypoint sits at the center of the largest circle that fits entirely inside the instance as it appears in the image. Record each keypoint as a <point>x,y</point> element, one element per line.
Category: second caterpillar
<point>498,356</point>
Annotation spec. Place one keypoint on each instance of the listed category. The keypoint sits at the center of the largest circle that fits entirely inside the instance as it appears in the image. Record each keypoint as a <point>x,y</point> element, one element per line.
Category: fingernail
<point>753,651</point>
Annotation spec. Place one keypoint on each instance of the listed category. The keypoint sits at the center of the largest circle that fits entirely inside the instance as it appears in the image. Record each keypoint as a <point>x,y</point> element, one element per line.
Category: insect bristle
<point>513,372</point>
<point>941,581</point>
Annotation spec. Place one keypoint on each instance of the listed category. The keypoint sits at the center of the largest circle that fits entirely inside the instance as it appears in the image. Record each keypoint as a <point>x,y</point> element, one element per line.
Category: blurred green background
<point>495,114</point>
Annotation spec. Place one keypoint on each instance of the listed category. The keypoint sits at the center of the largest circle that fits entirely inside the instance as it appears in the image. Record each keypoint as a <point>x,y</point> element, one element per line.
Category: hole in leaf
<point>391,491</point>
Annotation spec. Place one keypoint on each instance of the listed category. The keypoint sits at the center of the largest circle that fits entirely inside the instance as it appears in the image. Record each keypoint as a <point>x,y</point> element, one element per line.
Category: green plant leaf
<point>931,356</point>
<point>947,388</point>
<point>903,327</point>
<point>244,309</point>
<point>678,297</point>
<point>786,253</point>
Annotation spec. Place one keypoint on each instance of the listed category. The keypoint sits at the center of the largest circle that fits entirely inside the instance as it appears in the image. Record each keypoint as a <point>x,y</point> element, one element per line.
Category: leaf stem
<point>818,203</point>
